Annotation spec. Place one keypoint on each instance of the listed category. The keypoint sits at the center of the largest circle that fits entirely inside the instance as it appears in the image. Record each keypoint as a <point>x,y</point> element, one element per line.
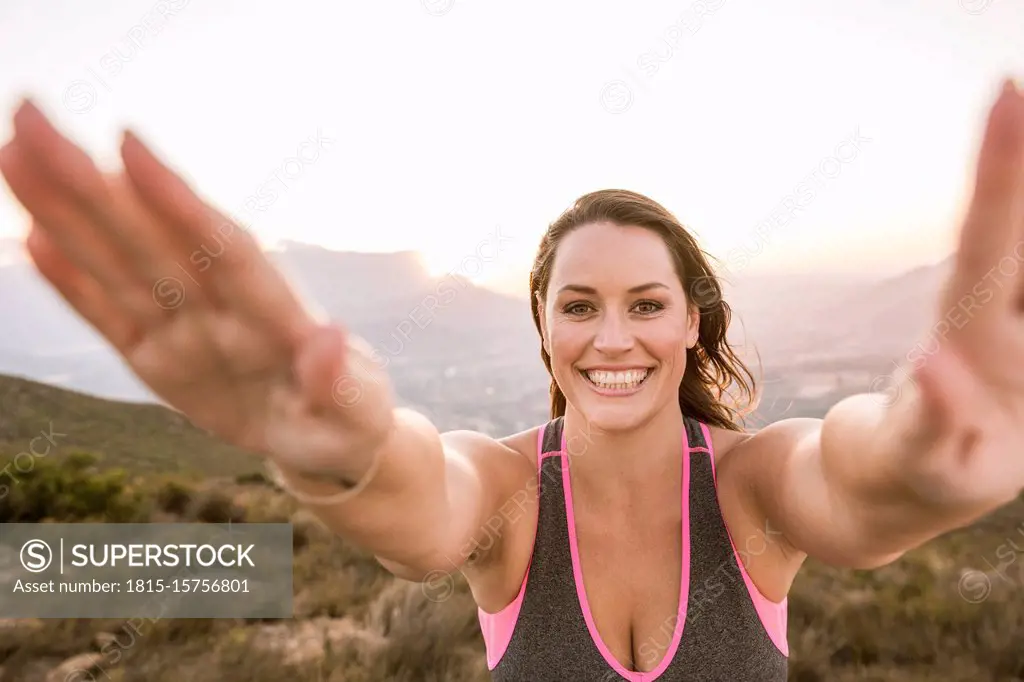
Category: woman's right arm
<point>200,315</point>
<point>431,500</point>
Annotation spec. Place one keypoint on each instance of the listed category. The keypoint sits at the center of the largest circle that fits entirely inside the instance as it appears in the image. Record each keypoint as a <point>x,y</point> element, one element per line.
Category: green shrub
<point>174,497</point>
<point>213,506</point>
<point>71,490</point>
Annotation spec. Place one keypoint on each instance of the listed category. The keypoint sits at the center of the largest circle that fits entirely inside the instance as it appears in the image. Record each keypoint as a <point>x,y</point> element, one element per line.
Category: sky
<point>792,136</point>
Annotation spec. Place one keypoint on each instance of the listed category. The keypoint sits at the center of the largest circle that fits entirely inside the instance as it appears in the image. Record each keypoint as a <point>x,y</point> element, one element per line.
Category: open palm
<point>190,301</point>
<point>970,369</point>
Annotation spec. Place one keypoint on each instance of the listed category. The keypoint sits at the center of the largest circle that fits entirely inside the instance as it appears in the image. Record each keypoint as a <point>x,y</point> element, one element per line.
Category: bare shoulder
<point>492,470</point>
<point>772,441</point>
<point>512,454</point>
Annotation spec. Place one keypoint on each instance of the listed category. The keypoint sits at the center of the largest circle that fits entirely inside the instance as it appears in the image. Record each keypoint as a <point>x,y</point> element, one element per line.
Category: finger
<point>112,215</point>
<point>229,261</point>
<point>319,364</point>
<point>992,230</point>
<point>73,233</point>
<point>83,293</point>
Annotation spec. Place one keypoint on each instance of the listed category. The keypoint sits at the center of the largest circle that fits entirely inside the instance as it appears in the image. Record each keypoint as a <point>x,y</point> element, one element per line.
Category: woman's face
<point>616,325</point>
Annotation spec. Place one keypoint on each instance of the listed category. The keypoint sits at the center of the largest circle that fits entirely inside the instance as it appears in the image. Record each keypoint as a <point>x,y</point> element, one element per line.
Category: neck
<point>624,462</point>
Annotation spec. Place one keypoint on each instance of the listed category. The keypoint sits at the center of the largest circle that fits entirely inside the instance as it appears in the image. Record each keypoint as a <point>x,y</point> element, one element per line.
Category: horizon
<point>845,160</point>
<point>516,283</point>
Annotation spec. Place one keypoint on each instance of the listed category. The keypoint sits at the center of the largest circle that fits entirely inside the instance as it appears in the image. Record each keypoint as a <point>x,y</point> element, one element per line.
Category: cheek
<point>668,346</point>
<point>665,341</point>
<point>568,340</point>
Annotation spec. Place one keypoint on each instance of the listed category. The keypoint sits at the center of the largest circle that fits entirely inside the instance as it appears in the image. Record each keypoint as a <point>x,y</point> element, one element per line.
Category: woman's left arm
<point>882,474</point>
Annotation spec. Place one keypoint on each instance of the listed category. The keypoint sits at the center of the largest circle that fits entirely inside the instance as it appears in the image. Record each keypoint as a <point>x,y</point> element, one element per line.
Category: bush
<point>174,497</point>
<point>213,506</point>
<point>71,491</point>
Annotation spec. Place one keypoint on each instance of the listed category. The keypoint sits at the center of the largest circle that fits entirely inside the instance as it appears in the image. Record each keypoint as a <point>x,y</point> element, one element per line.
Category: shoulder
<point>480,446</point>
<point>491,471</point>
<point>771,442</point>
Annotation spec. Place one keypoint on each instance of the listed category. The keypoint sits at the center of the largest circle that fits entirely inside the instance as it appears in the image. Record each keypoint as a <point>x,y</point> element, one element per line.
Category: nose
<point>613,335</point>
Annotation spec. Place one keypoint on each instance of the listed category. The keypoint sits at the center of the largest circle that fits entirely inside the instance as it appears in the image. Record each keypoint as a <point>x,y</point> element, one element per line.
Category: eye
<point>576,308</point>
<point>648,307</point>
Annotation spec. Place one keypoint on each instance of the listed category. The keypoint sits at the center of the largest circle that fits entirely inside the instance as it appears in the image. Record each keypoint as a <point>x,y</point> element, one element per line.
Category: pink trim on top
<point>774,616</point>
<point>497,628</point>
<point>684,580</point>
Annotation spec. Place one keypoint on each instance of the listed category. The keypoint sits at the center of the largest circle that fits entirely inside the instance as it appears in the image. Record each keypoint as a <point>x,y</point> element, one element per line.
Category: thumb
<point>948,388</point>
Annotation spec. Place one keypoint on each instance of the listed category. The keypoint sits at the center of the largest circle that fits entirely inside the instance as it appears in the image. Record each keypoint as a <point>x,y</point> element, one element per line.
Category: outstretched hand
<point>191,302</point>
<point>970,368</point>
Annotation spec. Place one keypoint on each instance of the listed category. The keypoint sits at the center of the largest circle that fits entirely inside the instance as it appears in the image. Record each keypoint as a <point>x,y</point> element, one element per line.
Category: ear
<point>543,324</point>
<point>692,326</point>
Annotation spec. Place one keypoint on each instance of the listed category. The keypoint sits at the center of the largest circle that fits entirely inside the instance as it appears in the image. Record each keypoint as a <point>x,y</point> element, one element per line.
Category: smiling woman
<point>641,496</point>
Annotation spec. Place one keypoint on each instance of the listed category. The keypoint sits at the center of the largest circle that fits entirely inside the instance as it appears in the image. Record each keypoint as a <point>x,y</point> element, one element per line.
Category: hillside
<point>140,438</point>
<point>949,611</point>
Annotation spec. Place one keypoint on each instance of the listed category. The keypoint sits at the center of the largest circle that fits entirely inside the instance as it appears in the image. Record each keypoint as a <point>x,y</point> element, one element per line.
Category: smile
<point>616,382</point>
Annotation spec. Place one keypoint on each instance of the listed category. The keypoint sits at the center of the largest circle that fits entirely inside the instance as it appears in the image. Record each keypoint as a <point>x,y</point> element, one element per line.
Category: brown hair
<point>712,366</point>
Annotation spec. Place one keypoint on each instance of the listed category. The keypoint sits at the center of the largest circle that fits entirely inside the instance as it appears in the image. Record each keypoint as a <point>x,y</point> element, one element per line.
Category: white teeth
<point>619,380</point>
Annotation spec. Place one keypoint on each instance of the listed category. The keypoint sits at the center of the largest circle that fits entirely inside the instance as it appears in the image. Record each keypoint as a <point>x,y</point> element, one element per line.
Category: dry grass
<point>354,622</point>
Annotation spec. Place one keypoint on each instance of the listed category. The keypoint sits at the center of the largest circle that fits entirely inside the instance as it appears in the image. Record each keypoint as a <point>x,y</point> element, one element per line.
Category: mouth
<point>624,382</point>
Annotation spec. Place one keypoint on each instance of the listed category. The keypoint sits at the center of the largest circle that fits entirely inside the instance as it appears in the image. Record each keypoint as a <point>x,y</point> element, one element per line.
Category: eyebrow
<point>579,288</point>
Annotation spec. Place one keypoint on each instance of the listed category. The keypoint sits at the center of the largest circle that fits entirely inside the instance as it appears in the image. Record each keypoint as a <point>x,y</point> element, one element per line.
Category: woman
<point>640,534</point>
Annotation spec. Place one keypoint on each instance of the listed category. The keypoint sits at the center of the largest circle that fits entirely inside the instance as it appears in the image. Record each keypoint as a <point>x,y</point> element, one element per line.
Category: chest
<point>629,572</point>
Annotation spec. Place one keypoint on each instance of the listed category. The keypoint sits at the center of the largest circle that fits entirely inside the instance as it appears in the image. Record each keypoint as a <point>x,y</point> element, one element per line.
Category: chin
<point>611,419</point>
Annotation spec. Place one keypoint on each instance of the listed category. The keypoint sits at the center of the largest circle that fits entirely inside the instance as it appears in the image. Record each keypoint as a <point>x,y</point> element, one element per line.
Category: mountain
<point>799,320</point>
<point>468,356</point>
<point>451,346</point>
<point>884,319</point>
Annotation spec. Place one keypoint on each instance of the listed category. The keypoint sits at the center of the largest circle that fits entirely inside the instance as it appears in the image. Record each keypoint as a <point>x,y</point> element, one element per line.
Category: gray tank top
<point>725,631</point>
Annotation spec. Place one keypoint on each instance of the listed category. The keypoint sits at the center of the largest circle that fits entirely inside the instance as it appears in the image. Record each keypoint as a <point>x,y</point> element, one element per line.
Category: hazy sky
<point>431,124</point>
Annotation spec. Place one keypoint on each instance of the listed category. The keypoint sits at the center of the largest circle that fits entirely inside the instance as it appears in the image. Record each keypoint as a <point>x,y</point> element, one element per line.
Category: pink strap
<point>497,628</point>
<point>774,616</point>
